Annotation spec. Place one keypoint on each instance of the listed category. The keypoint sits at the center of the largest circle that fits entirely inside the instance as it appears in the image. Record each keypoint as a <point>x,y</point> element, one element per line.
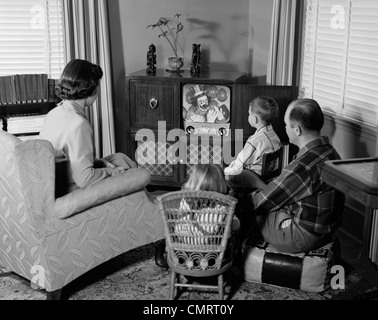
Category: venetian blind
<point>340,57</point>
<point>31,37</point>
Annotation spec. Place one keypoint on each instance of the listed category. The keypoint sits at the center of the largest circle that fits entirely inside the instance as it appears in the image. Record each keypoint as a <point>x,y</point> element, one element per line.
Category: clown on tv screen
<point>206,109</point>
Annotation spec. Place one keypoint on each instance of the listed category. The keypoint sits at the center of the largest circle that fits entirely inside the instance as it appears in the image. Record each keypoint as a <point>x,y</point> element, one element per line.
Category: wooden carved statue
<point>151,60</point>
<point>196,59</point>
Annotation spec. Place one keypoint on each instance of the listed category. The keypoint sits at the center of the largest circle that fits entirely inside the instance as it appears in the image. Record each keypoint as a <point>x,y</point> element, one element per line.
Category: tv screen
<point>206,109</point>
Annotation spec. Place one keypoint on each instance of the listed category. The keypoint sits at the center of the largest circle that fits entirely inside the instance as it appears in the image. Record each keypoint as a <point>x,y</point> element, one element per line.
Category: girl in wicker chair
<point>204,177</point>
<point>208,177</point>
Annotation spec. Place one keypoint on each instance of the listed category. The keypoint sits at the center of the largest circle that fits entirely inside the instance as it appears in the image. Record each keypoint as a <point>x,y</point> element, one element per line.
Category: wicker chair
<point>198,236</point>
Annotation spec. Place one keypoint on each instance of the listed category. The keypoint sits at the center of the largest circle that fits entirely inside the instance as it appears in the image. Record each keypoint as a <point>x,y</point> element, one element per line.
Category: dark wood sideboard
<point>167,89</point>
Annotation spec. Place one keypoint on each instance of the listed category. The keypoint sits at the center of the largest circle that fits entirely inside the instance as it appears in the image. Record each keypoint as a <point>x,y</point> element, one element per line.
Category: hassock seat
<point>306,271</point>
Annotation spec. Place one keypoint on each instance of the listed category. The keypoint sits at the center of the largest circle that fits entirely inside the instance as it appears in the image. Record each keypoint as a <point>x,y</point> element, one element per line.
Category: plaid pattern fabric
<point>203,154</point>
<point>153,157</point>
<point>299,190</point>
<point>264,140</point>
<point>164,170</point>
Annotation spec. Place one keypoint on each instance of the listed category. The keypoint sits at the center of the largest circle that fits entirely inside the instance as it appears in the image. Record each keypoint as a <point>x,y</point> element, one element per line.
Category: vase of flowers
<point>170,30</point>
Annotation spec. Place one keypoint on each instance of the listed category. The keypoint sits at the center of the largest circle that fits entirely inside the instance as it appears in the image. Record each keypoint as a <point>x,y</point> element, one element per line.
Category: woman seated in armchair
<point>71,134</point>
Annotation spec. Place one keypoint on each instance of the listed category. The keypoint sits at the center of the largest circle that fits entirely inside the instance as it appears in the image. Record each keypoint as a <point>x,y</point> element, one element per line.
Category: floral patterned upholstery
<point>70,235</point>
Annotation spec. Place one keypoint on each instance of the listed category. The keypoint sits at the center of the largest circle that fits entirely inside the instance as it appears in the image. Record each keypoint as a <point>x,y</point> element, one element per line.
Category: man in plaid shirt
<point>297,211</point>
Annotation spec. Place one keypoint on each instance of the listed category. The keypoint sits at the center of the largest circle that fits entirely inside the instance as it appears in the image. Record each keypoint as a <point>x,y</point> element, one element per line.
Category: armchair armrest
<point>102,191</point>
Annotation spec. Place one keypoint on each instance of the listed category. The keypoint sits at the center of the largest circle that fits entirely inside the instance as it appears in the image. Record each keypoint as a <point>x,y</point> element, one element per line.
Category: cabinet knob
<point>153,103</point>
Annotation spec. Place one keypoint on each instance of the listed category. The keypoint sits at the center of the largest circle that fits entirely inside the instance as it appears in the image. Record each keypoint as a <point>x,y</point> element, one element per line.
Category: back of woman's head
<point>207,177</point>
<point>79,80</point>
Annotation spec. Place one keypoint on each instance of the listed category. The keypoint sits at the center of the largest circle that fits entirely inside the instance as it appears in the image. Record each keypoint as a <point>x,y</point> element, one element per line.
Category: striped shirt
<point>301,192</point>
<point>264,140</point>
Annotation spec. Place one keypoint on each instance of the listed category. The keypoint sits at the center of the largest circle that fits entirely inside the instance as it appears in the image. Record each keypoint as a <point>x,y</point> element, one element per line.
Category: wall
<point>234,36</point>
<point>224,28</point>
<point>260,15</point>
<point>351,139</point>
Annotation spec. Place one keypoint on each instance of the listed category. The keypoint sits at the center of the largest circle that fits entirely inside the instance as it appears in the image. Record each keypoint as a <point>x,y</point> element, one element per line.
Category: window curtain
<point>87,37</point>
<point>282,45</point>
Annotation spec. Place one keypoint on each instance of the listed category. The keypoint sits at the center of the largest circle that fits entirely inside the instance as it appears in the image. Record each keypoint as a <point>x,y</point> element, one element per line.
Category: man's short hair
<point>308,114</point>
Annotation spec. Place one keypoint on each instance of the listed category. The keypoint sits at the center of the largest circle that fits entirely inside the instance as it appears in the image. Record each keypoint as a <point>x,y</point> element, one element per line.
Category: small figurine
<point>151,60</point>
<point>196,59</point>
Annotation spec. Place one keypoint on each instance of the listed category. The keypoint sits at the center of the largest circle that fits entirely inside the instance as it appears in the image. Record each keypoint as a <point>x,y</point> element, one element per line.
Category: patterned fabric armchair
<point>52,241</point>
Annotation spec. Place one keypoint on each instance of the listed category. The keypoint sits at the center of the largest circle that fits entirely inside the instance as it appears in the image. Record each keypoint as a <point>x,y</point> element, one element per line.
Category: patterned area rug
<point>135,276</point>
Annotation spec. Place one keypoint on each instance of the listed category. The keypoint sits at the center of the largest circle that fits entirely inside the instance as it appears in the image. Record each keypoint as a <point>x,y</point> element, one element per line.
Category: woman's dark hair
<point>79,80</point>
<point>266,107</point>
<point>308,114</point>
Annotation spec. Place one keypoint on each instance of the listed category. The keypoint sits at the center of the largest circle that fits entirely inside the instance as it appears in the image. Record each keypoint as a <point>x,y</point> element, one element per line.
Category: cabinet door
<point>154,101</point>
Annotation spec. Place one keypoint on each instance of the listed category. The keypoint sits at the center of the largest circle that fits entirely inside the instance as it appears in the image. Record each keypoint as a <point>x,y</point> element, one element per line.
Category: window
<point>31,37</point>
<point>340,57</point>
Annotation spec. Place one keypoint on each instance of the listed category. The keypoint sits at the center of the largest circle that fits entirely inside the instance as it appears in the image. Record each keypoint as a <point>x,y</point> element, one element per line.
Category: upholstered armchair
<point>52,241</point>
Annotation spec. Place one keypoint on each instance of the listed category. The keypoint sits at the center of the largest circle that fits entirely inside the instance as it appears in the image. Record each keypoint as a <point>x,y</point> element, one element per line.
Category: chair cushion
<point>305,271</point>
<point>113,187</point>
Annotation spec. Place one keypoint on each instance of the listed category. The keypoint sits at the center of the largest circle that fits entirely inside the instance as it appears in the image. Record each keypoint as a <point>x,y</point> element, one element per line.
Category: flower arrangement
<point>170,29</point>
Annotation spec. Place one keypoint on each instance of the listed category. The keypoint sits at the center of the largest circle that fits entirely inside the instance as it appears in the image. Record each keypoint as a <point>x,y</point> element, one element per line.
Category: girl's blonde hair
<point>207,177</point>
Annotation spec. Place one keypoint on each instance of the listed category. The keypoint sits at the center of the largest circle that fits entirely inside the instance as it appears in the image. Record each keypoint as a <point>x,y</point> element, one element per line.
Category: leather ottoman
<point>307,271</point>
